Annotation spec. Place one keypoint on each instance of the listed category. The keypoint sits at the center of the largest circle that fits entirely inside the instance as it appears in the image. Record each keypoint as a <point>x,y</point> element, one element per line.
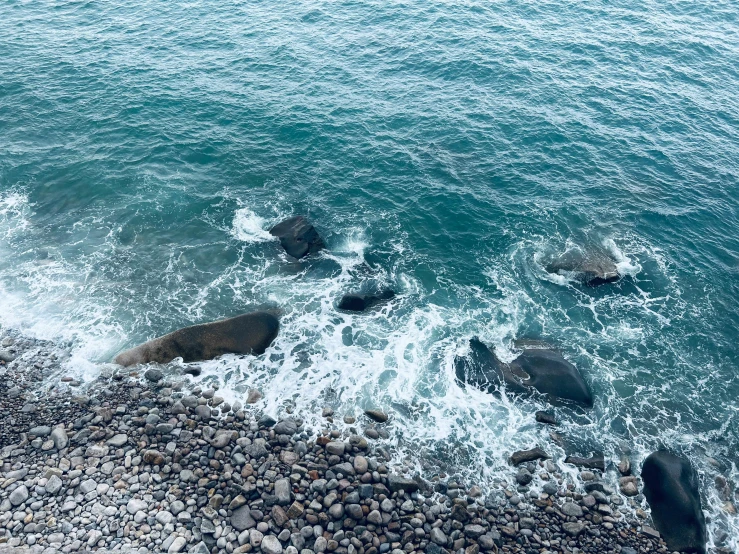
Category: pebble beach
<point>146,462</point>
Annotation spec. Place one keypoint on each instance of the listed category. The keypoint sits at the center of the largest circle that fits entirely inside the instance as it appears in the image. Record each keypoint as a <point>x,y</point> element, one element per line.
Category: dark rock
<point>671,489</point>
<point>154,375</point>
<point>244,334</point>
<point>396,483</point>
<point>256,450</point>
<point>286,427</point>
<point>481,368</point>
<point>596,462</point>
<point>360,302</point>
<point>154,458</point>
<point>193,370</point>
<point>524,477</point>
<point>298,237</point>
<point>538,367</point>
<point>591,269</point>
<point>545,417</point>
<point>550,374</point>
<point>376,415</point>
<point>459,513</point>
<point>592,486</point>
<point>522,456</point>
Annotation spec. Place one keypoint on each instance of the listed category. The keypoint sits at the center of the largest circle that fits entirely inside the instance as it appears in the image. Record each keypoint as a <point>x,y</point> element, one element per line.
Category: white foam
<point>249,227</point>
<point>625,265</point>
<point>15,211</point>
<point>398,357</point>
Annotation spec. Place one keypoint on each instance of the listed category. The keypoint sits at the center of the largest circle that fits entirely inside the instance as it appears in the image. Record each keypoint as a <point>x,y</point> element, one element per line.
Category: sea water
<point>443,149</point>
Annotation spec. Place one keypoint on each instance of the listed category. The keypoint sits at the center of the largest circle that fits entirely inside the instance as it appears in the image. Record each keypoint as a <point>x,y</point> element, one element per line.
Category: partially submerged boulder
<point>543,369</point>
<point>480,368</point>
<point>298,237</point>
<point>590,268</point>
<point>359,302</point>
<point>549,373</point>
<point>245,334</point>
<point>671,488</point>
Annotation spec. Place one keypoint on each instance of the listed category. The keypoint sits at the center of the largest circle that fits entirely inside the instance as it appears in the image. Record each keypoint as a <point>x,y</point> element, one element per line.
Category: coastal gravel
<point>136,463</point>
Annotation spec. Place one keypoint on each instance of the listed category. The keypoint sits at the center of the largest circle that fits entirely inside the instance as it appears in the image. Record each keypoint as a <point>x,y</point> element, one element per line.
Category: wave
<point>249,227</point>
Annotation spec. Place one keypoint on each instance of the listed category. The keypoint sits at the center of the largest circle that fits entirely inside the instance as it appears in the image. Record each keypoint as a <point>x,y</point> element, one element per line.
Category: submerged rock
<point>545,417</point>
<point>671,488</point>
<point>244,334</point>
<point>591,269</point>
<point>298,237</point>
<point>539,368</point>
<point>360,302</point>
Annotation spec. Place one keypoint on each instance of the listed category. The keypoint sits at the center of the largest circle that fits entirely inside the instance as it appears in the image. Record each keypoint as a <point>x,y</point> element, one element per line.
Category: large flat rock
<point>245,334</point>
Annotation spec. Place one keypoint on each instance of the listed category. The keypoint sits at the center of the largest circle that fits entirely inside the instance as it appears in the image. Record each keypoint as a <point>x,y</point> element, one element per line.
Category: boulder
<point>245,334</point>
<point>397,483</point>
<point>359,302</point>
<point>538,367</point>
<point>376,415</point>
<point>671,489</point>
<point>298,237</point>
<point>595,462</point>
<point>521,456</point>
<point>480,368</point>
<point>590,268</point>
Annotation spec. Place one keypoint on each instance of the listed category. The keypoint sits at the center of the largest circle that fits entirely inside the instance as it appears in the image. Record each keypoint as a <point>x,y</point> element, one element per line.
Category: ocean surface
<point>444,149</point>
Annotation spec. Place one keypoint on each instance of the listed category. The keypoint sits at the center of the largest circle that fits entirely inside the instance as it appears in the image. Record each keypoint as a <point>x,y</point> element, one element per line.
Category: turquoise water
<point>443,149</point>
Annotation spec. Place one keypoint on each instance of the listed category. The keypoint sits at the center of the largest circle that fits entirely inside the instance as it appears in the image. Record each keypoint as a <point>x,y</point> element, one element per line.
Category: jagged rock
<point>286,427</point>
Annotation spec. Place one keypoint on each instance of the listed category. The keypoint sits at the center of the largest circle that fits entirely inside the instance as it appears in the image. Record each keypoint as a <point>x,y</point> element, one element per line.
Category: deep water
<point>444,149</point>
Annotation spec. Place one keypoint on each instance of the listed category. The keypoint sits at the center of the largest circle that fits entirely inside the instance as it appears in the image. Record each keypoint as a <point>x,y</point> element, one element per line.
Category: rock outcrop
<point>245,334</point>
<point>671,488</point>
<point>540,368</point>
<point>298,237</point>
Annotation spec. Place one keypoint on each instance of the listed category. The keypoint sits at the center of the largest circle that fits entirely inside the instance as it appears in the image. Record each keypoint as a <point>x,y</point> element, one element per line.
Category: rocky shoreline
<point>146,463</point>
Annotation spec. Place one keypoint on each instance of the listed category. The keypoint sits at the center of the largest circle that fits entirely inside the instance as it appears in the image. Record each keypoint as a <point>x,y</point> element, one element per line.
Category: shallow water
<point>443,149</point>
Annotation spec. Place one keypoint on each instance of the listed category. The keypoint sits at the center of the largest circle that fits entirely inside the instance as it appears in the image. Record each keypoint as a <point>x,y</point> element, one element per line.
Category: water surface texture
<point>443,149</point>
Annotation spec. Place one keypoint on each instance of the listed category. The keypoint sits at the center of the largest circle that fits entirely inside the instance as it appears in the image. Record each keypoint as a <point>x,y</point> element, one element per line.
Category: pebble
<point>118,440</point>
<point>59,437</point>
<point>271,545</point>
<point>19,495</point>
